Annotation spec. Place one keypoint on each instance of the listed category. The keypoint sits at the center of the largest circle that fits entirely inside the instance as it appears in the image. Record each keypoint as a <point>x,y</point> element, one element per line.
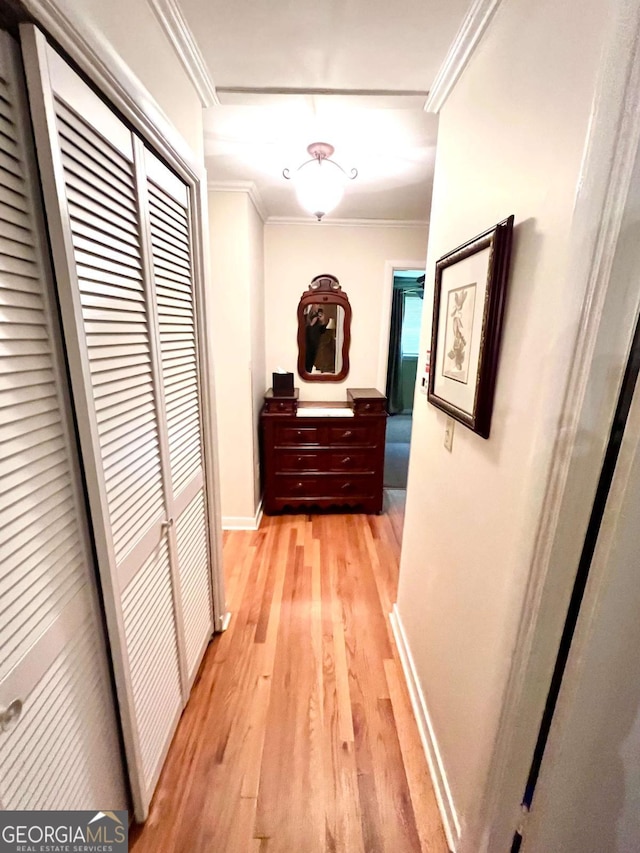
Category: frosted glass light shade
<point>319,187</point>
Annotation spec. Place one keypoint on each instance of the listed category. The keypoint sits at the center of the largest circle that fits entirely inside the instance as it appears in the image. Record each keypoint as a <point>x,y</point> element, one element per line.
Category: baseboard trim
<point>243,522</point>
<point>427,734</point>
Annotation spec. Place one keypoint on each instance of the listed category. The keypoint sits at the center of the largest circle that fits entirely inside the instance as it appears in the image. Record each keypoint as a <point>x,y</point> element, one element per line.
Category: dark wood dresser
<point>316,460</point>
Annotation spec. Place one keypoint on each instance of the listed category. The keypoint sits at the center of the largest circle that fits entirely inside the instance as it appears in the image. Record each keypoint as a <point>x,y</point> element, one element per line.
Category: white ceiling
<point>367,50</point>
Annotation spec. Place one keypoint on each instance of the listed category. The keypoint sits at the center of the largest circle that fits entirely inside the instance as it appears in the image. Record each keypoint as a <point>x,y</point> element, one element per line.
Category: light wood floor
<point>299,736</point>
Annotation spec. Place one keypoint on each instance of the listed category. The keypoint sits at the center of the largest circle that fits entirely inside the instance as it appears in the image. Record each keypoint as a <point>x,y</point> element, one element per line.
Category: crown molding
<point>348,223</point>
<point>177,30</point>
<point>247,187</point>
<point>464,44</point>
<point>96,57</point>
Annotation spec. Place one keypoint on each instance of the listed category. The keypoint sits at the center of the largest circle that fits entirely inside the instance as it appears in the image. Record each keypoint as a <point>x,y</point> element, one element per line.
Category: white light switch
<point>448,434</point>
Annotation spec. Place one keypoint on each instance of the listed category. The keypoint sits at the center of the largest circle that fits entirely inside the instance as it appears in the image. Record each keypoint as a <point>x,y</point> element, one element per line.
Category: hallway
<point>299,735</point>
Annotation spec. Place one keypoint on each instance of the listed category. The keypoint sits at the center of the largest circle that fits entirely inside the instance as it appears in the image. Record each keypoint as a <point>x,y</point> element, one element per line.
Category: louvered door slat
<point>172,269</point>
<point>12,217</point>
<point>166,248</point>
<point>193,559</point>
<point>80,196</point>
<point>80,140</point>
<point>17,248</point>
<point>56,773</point>
<point>135,428</point>
<point>172,218</point>
<point>91,173</point>
<point>91,225</point>
<point>110,306</point>
<point>128,306</point>
<point>164,210</point>
<point>10,165</point>
<point>16,233</point>
<point>16,550</point>
<point>45,573</point>
<point>151,649</point>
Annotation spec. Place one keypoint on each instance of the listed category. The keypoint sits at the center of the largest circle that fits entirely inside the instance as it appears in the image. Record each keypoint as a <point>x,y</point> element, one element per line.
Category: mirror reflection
<point>324,331</point>
<point>324,335</point>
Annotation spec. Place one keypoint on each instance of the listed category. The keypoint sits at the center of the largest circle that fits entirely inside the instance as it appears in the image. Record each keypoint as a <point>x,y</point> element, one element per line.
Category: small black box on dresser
<point>282,384</point>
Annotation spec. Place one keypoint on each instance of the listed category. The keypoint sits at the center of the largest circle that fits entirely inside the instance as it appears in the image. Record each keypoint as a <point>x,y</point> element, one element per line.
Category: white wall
<point>135,34</point>
<point>238,348</point>
<point>295,254</point>
<point>256,307</point>
<point>588,795</point>
<point>510,140</point>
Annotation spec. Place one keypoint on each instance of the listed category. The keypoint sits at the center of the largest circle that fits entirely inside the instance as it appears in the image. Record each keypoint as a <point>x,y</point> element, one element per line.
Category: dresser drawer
<point>282,407</point>
<point>296,435</point>
<point>348,436</point>
<point>300,461</point>
<point>350,460</point>
<point>336,486</point>
<point>369,407</point>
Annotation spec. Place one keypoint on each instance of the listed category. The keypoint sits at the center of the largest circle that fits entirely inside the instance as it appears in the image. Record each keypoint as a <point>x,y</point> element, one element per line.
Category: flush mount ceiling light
<point>320,181</point>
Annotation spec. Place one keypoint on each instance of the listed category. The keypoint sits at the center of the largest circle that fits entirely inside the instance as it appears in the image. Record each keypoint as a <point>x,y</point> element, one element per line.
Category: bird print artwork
<point>460,308</point>
<point>457,351</point>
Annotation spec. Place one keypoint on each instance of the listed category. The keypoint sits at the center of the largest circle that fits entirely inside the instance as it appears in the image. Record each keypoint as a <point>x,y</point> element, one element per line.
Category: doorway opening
<point>402,365</point>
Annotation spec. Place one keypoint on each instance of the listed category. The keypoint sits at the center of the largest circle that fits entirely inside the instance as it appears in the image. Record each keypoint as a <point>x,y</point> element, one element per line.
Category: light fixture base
<point>320,150</point>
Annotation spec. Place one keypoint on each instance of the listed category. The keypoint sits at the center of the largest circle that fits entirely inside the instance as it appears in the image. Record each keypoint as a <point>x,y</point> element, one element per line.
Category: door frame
<point>97,59</point>
<point>385,314</point>
<point>608,318</point>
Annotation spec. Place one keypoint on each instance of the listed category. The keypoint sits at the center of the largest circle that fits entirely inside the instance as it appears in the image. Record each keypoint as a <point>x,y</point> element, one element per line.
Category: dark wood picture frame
<point>324,290</point>
<point>469,345</point>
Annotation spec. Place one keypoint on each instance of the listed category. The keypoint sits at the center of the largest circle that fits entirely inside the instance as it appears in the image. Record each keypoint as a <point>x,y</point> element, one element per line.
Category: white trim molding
<point>248,187</point>
<point>96,57</point>
<point>177,30</point>
<point>427,734</point>
<point>243,522</point>
<point>385,313</point>
<point>467,39</point>
<point>351,223</point>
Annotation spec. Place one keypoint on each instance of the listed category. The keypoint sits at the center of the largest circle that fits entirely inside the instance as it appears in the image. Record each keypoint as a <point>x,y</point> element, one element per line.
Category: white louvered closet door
<point>174,296</point>
<point>122,258</point>
<point>63,750</point>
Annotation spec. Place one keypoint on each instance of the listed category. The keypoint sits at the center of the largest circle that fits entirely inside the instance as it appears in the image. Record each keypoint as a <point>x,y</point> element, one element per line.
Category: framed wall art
<point>468,307</point>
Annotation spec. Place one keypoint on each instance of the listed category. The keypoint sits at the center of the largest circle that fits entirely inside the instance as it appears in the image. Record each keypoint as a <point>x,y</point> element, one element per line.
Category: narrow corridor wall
<point>237,306</point>
<point>511,140</point>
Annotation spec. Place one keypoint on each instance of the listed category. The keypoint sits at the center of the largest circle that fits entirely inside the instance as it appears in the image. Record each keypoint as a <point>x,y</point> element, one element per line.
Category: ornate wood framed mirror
<point>324,331</point>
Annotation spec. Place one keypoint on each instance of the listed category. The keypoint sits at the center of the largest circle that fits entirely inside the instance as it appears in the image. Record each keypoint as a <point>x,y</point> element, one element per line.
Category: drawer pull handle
<point>367,406</point>
<point>298,486</point>
<point>346,460</point>
<point>347,433</point>
<point>345,487</point>
<point>300,460</point>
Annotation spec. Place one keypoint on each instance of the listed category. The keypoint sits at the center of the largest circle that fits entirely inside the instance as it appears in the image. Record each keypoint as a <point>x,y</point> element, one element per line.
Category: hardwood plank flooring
<point>299,735</point>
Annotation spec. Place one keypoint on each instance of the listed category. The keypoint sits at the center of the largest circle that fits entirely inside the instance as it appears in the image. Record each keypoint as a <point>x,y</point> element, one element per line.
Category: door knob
<point>9,716</point>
